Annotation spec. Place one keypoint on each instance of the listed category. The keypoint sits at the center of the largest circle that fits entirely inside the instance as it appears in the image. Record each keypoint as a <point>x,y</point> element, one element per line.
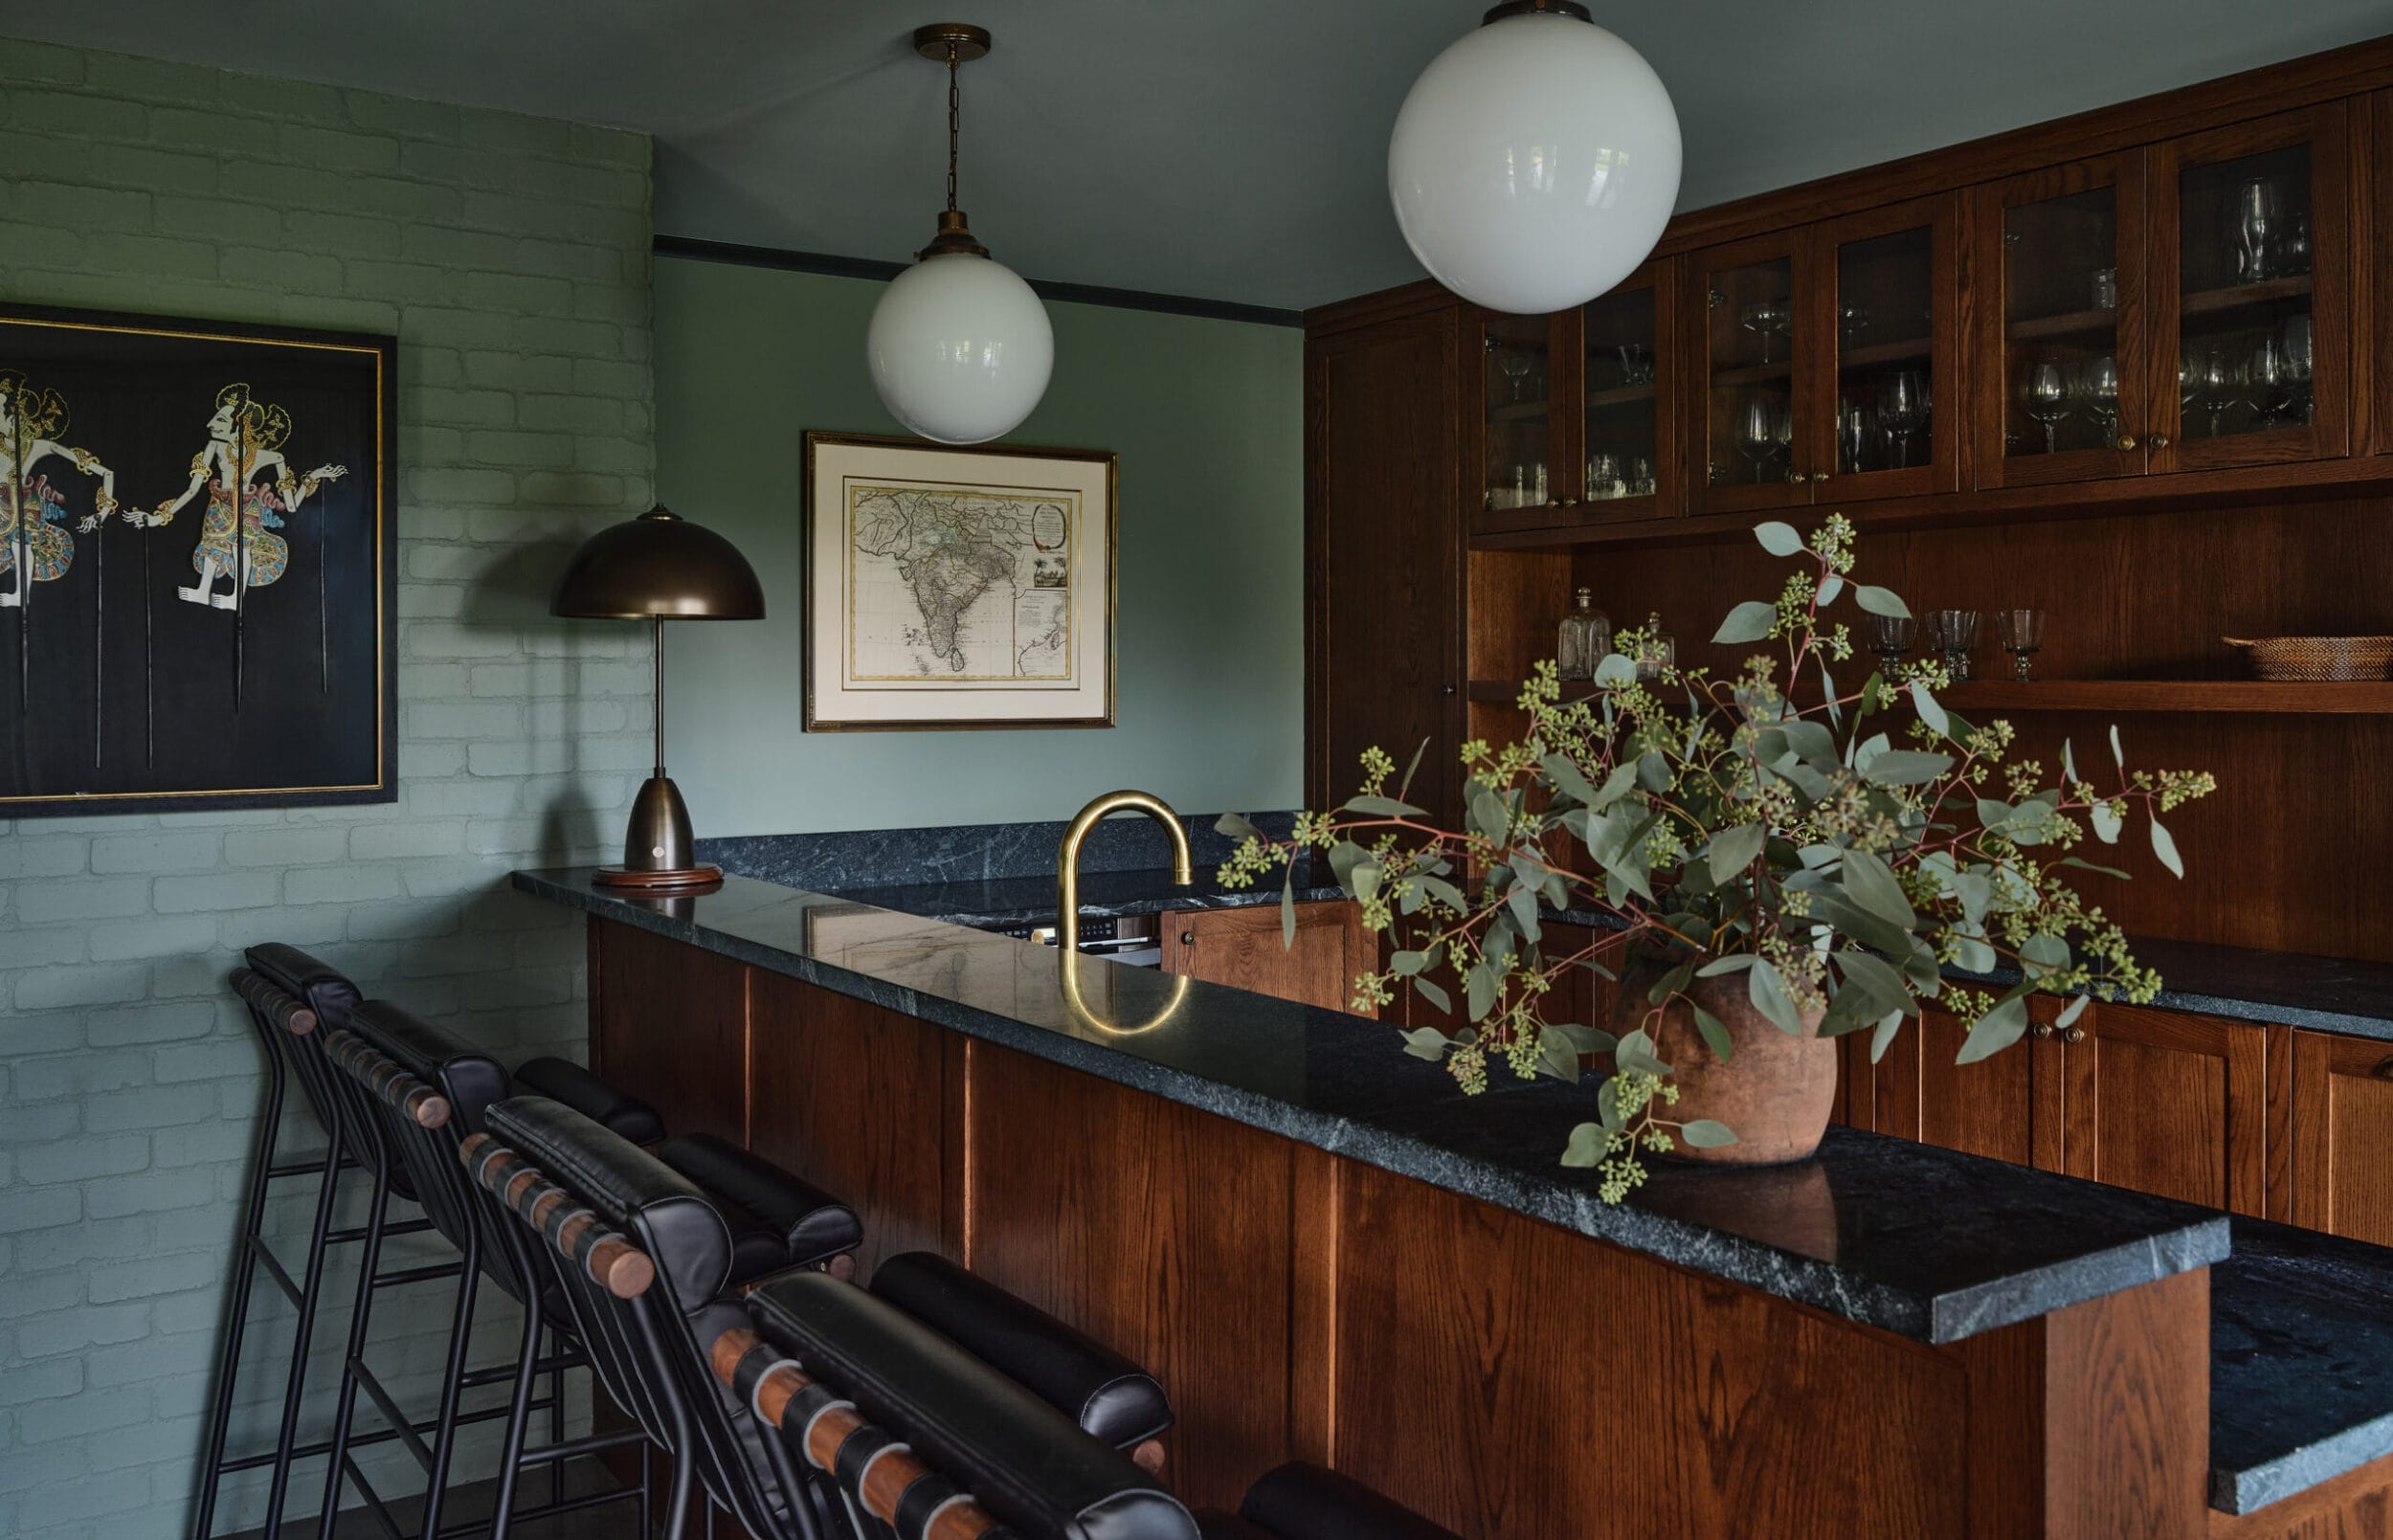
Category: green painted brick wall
<point>510,256</point>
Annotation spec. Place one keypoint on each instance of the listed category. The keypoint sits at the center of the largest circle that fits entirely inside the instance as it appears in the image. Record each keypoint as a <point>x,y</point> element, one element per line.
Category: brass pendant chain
<point>953,116</point>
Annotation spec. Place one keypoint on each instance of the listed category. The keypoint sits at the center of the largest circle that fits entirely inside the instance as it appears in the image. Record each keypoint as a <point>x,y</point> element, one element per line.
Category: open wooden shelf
<point>2264,697</point>
<point>2200,302</point>
<point>1752,375</point>
<point>1619,396</point>
<point>1915,349</point>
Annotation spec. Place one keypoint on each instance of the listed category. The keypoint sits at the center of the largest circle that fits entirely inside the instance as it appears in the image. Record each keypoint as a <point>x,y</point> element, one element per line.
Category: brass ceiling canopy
<point>1511,7</point>
<point>952,43</point>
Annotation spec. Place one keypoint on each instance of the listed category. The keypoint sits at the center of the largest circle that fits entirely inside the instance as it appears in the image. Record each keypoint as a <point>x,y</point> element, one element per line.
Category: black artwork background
<point>140,404</point>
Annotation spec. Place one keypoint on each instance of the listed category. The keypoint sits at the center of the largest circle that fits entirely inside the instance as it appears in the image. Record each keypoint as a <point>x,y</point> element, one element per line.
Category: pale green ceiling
<point>1233,149</point>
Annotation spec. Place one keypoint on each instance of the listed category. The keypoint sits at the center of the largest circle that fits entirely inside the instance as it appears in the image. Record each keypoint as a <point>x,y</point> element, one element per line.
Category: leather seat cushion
<point>620,1112</point>
<point>470,1079</point>
<point>657,1208</point>
<point>776,1220</point>
<point>1111,1398</point>
<point>1304,1501</point>
<point>1024,1460</point>
<point>326,992</point>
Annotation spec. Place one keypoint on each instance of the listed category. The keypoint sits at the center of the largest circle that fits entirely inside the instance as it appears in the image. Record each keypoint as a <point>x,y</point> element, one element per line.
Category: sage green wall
<point>1208,420</point>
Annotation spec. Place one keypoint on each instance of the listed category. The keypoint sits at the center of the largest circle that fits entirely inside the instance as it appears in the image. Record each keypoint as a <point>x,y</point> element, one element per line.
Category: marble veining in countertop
<point>1020,899</point>
<point>2301,1362</point>
<point>838,861</point>
<point>1932,1244</point>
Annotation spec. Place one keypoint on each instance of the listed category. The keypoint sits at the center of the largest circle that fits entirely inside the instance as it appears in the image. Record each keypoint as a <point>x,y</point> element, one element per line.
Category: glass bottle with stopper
<point>1584,638</point>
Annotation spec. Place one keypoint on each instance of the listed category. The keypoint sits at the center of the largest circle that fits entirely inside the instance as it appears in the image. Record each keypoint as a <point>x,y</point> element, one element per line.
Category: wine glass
<point>2098,382</point>
<point>2292,248</point>
<point>1854,424</point>
<point>1851,321</point>
<point>2299,361</point>
<point>2255,222</point>
<point>1902,410</point>
<point>1891,636</point>
<point>1603,477</point>
<point>1636,363</point>
<point>1764,317</point>
<point>1757,430</point>
<point>2023,637</point>
<point>1954,633</point>
<point>2268,381</point>
<point>2047,392</point>
<point>2221,385</point>
<point>1514,363</point>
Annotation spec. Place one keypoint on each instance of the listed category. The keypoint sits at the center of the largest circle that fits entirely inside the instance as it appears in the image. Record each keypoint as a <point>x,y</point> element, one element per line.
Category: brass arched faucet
<point>1067,856</point>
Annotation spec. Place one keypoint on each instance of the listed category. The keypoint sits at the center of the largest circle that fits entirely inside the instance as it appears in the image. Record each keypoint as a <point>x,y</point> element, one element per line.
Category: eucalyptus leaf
<point>1813,741</point>
<point>1523,903</point>
<point>1635,1056</point>
<point>1867,751</point>
<point>1884,1037</point>
<point>1878,601</point>
<point>2089,866</point>
<point>1875,980</point>
<point>1973,956</point>
<point>1995,1031</point>
<point>1777,539</point>
<point>1905,767</point>
<point>1406,784</point>
<point>2117,754</point>
<point>1567,779</point>
<point>1588,1145</point>
<point>1736,963</point>
<point>1427,1042</point>
<point>1873,885</point>
<point>1733,850</point>
<point>2164,846</point>
<point>1615,670</point>
<point>1928,711</point>
<point>1237,826</point>
<point>2069,764</point>
<point>1748,621</point>
<point>2075,1008</point>
<point>1287,911</point>
<point>1405,963</point>
<point>1715,1034</point>
<point>1434,996</point>
<point>1490,817</point>
<point>1383,807</point>
<point>1768,992</point>
<point>1705,1134</point>
<point>1557,1058</point>
<point>1583,1040</point>
<point>1830,587</point>
<point>1481,989</point>
<point>2106,822</point>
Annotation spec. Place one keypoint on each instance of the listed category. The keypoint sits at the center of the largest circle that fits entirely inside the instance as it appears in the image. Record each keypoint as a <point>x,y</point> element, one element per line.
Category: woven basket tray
<point>2318,657</point>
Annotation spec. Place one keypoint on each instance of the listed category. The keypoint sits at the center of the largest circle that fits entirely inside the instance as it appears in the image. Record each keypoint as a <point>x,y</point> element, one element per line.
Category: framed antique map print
<point>957,587</point>
<point>197,564</point>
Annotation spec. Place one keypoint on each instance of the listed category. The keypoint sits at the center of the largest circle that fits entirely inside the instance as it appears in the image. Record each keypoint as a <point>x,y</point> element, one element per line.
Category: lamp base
<point>658,852</point>
<point>683,879</point>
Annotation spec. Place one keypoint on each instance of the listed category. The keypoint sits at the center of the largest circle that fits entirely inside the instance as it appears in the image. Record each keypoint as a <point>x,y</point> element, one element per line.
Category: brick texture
<point>510,256</point>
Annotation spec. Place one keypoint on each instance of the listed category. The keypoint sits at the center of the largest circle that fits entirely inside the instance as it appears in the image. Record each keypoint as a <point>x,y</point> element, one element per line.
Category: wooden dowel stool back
<point>819,1424</point>
<point>613,1262</point>
<point>284,1011</point>
<point>416,1102</point>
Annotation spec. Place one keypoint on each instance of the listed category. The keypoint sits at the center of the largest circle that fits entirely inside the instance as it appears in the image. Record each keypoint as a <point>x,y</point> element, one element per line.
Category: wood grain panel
<point>1247,949</point>
<point>1161,1231</point>
<point>2342,1127</point>
<point>1723,1412</point>
<point>2355,1506</point>
<point>1984,1108</point>
<point>2168,1103</point>
<point>815,1056</point>
<point>2127,1438</point>
<point>669,1024</point>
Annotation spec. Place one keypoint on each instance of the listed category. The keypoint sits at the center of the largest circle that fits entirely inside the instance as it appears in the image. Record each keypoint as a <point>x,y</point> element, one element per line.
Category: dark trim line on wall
<point>863,267</point>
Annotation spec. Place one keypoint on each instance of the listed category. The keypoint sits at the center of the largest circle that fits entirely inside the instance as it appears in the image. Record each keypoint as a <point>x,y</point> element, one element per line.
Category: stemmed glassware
<point>1764,319</point>
<point>1853,425</point>
<point>1891,636</point>
<point>2257,214</point>
<point>2098,383</point>
<point>1763,426</point>
<point>2268,382</point>
<point>1637,364</point>
<point>1514,364</point>
<point>1954,633</point>
<point>2299,362</point>
<point>2219,385</point>
<point>2047,392</point>
<point>2023,637</point>
<point>1902,410</point>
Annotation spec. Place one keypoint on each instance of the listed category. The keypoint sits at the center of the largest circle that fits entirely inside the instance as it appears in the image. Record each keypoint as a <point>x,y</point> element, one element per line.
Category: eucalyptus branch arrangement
<point>1774,824</point>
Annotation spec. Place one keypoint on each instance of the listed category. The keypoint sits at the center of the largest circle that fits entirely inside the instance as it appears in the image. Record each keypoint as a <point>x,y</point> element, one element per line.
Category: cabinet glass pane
<point>1620,383</point>
<point>1750,401</point>
<point>1519,423</point>
<point>1885,419</point>
<point>2060,324</point>
<point>2244,294</point>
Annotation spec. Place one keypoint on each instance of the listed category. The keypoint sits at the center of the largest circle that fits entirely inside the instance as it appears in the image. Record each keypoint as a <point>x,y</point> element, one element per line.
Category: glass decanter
<point>1583,640</point>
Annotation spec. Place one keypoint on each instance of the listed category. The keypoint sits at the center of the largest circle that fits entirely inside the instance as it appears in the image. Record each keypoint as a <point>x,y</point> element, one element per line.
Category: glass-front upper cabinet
<point>2250,244</point>
<point>1748,419</point>
<point>2063,381</point>
<point>1627,439</point>
<point>1524,363</point>
<point>1889,314</point>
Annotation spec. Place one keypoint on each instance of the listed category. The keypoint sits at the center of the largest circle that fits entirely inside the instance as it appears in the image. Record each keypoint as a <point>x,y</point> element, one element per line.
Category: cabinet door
<point>1383,555</point>
<point>2167,1103</point>
<point>2061,363</point>
<point>1749,415</point>
<point>1520,415</point>
<point>2251,253</point>
<point>1888,305</point>
<point>2342,1130</point>
<point>1986,1108</point>
<point>1245,949</point>
<point>1628,372</point>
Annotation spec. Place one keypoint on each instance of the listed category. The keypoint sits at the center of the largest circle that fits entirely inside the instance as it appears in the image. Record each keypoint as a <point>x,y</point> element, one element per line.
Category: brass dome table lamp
<point>657,567</point>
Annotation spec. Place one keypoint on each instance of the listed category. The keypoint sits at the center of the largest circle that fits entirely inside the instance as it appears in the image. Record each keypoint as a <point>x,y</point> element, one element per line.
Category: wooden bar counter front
<point>1490,1367</point>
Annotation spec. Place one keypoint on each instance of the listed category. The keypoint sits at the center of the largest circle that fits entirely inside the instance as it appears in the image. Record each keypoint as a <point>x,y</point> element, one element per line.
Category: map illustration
<point>958,584</point>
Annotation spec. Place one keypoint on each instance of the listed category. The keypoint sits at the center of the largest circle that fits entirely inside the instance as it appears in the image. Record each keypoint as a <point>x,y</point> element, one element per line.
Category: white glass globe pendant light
<point>960,347</point>
<point>1535,160</point>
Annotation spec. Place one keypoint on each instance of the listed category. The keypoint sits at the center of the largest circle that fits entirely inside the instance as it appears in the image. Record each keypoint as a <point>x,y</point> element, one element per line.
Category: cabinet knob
<point>2384,1071</point>
<point>1794,478</point>
<point>1188,938</point>
<point>1819,476</point>
<point>2127,440</point>
<point>1570,503</point>
<point>2043,1029</point>
<point>2072,1035</point>
<point>2159,440</point>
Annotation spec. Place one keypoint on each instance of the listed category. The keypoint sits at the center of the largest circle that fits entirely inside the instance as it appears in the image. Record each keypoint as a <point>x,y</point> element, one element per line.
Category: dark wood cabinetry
<point>1917,1092</point>
<point>2342,1173</point>
<point>1246,950</point>
<point>2167,1103</point>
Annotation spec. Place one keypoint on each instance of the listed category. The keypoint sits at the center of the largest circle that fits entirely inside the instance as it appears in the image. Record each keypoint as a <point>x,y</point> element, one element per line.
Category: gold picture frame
<point>868,666</point>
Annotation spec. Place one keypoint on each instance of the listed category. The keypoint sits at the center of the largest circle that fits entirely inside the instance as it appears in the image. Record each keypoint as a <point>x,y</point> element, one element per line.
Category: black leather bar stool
<point>392,1064</point>
<point>1302,1501</point>
<point>919,1439</point>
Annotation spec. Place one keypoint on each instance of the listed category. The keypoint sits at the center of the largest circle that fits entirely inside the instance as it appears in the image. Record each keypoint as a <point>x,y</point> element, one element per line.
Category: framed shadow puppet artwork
<point>957,587</point>
<point>198,549</point>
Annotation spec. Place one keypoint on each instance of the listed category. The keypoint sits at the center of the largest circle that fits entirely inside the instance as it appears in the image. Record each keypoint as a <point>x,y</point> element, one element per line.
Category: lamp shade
<point>960,347</point>
<point>1535,161</point>
<point>658,566</point>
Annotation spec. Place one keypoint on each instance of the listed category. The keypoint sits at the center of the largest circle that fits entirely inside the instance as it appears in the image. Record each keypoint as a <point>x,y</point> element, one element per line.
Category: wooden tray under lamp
<point>2318,657</point>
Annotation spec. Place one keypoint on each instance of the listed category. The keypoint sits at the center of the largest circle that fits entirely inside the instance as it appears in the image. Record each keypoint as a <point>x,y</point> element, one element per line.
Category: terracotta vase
<point>1775,1090</point>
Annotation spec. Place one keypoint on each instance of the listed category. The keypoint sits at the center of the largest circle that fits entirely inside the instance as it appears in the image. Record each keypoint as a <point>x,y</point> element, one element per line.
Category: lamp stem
<point>953,119</point>
<point>656,692</point>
